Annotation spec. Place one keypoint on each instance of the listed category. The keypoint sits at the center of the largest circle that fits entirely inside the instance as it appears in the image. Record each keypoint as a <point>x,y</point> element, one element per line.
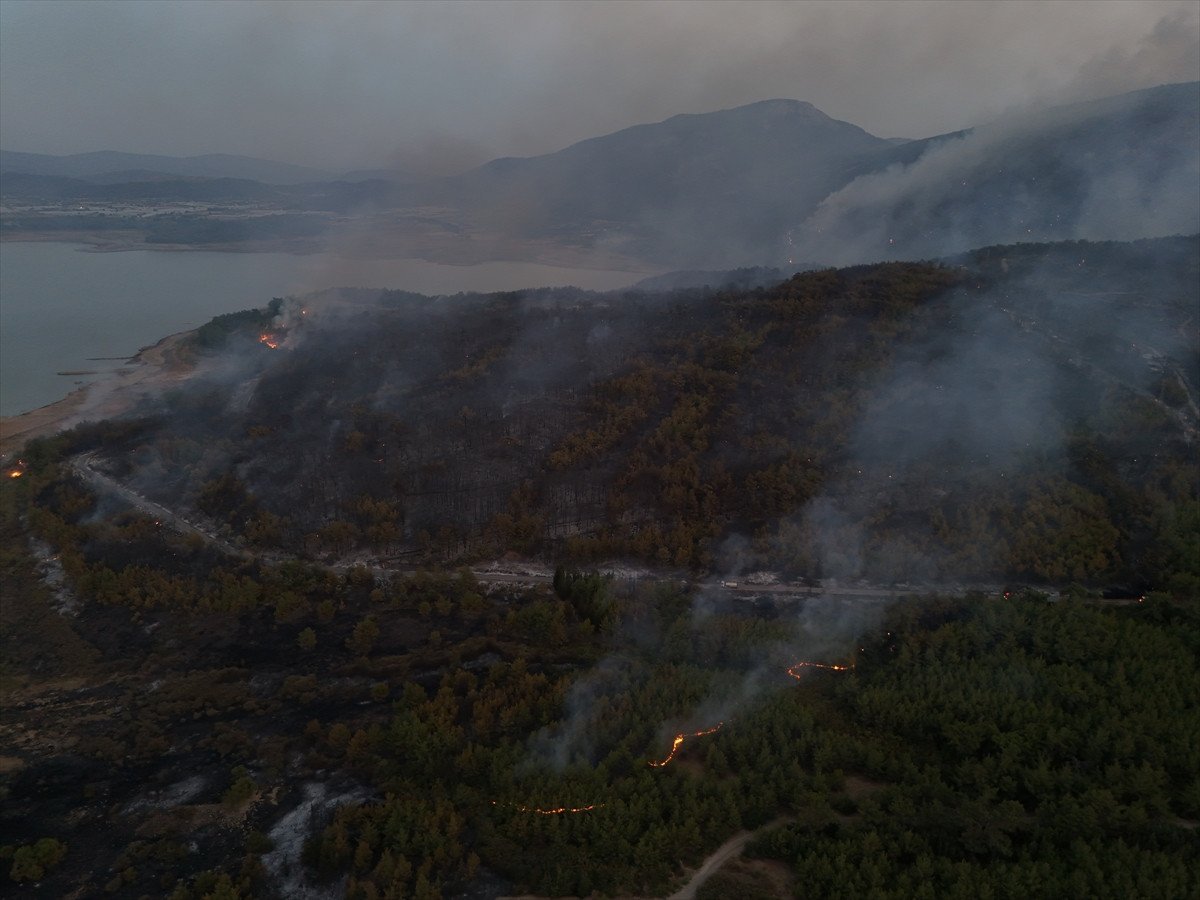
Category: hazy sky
<point>444,85</point>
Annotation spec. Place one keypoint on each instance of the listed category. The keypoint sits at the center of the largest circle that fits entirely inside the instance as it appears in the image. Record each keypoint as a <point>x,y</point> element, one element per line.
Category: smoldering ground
<point>444,393</point>
<point>989,387</point>
<point>726,682</point>
<point>995,386</point>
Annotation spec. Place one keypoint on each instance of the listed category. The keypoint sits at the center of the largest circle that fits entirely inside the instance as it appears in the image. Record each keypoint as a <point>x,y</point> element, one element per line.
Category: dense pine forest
<point>255,653</point>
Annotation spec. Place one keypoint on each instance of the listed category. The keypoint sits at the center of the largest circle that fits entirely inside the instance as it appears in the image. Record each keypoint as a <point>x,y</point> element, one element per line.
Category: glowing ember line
<point>679,739</point>
<point>269,339</point>
<point>557,811</point>
<point>15,473</point>
<point>794,671</point>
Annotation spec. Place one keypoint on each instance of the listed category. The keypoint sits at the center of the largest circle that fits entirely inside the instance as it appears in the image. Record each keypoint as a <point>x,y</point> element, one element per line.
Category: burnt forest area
<point>407,596</point>
<point>980,420</point>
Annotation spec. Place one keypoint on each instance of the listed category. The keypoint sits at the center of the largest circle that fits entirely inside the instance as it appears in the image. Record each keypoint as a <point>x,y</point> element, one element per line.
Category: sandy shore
<point>148,372</point>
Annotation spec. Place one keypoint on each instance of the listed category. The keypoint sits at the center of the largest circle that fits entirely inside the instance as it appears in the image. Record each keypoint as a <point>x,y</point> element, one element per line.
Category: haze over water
<point>61,305</point>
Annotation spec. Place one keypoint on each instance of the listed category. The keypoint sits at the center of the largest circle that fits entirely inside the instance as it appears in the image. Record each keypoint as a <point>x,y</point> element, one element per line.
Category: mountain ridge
<point>768,183</point>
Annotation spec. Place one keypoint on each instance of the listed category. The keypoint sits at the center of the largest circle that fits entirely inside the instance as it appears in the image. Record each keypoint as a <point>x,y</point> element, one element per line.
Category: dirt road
<point>729,850</point>
<point>83,466</point>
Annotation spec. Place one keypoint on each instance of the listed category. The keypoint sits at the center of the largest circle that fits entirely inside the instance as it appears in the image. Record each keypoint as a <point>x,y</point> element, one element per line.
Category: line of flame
<point>558,811</point>
<point>794,669</point>
<point>679,739</point>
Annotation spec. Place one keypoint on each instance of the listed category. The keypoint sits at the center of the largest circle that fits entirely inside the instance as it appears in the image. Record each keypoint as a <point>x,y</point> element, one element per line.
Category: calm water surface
<point>61,305</point>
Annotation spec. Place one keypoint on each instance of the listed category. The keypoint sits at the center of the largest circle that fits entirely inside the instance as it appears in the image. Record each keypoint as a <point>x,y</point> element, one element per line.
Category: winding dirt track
<point>731,849</point>
<point>83,465</point>
<point>723,854</point>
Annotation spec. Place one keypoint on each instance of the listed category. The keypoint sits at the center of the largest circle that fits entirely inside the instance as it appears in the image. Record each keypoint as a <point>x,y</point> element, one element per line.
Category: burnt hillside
<point>1023,412</point>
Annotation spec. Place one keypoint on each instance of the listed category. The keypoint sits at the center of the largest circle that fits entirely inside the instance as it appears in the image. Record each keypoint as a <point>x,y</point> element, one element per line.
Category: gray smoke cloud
<point>819,629</point>
<point>434,87</point>
<point>1117,169</point>
<point>1170,51</point>
<point>992,390</point>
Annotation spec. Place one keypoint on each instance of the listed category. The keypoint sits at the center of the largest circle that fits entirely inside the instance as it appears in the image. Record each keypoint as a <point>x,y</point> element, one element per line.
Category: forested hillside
<point>1024,413</point>
<point>849,549</point>
<point>203,725</point>
<point>242,664</point>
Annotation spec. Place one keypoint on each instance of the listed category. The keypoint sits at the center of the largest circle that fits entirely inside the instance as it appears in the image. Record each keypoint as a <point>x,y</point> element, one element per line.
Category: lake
<point>62,306</point>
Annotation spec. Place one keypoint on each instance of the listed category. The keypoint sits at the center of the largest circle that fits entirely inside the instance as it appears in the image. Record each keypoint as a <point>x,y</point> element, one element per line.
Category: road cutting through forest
<point>712,864</point>
<point>714,861</point>
<point>84,466</point>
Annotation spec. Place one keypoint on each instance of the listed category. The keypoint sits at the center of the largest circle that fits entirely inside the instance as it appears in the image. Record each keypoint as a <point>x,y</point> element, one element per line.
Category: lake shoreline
<point>69,310</point>
<point>148,372</point>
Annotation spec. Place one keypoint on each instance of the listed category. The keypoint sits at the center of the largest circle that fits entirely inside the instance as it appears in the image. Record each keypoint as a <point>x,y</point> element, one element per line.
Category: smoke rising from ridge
<point>993,390</point>
<point>1118,169</point>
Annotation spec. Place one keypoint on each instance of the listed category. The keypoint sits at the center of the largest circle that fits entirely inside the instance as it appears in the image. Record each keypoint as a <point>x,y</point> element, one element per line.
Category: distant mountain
<point>778,181</point>
<point>102,166</point>
<point>675,189</point>
<point>770,183</point>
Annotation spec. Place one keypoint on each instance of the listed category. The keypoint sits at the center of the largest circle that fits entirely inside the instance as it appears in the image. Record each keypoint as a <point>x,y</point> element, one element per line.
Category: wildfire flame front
<point>679,739</point>
<point>557,811</point>
<point>794,670</point>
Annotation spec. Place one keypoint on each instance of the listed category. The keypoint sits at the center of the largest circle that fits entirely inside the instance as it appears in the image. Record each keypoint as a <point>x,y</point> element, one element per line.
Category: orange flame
<point>15,473</point>
<point>271,340</point>
<point>794,671</point>
<point>679,739</point>
<point>557,811</point>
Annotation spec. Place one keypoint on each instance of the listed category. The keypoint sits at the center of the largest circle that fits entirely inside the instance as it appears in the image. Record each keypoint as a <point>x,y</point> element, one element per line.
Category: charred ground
<point>246,713</point>
<point>1024,413</point>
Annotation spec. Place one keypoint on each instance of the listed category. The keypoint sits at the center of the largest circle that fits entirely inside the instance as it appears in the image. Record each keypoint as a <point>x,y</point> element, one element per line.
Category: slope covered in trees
<point>435,735</point>
<point>1025,413</point>
<point>278,696</point>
